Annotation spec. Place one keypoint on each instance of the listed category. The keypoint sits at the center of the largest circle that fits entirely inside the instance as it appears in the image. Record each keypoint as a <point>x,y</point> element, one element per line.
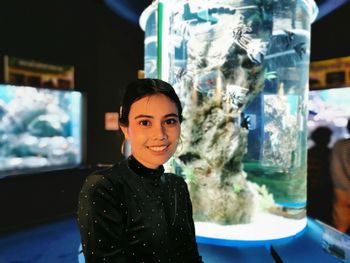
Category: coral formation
<point>223,74</point>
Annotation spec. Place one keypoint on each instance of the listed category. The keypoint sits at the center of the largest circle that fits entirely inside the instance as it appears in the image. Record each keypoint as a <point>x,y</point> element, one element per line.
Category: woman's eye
<point>145,123</point>
<point>171,121</point>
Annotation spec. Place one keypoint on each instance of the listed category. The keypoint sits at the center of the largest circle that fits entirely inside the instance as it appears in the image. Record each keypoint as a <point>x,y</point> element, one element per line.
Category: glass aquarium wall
<point>40,129</point>
<point>240,68</point>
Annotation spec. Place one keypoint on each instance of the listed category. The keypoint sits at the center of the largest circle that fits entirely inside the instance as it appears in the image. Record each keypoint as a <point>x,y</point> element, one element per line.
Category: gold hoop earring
<point>122,150</point>
<point>180,143</point>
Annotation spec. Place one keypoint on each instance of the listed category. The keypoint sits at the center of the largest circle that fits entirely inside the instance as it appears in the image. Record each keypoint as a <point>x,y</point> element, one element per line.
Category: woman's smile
<point>161,148</point>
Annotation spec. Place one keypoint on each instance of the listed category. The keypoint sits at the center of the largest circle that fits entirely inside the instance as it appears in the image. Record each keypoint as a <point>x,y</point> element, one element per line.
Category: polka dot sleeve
<point>196,257</point>
<point>100,219</point>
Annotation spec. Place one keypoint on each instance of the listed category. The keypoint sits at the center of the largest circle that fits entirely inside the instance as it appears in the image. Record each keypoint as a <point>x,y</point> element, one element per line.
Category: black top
<point>130,213</point>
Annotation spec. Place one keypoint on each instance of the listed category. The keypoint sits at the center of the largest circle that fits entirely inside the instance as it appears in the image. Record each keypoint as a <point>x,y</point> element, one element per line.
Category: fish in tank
<point>240,69</point>
<point>40,129</point>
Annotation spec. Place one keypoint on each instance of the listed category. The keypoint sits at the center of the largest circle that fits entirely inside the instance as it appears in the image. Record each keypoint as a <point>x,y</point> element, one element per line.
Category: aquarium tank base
<point>250,234</point>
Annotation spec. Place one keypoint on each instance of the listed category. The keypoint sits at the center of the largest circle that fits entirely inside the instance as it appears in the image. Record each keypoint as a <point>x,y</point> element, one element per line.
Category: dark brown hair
<point>141,88</point>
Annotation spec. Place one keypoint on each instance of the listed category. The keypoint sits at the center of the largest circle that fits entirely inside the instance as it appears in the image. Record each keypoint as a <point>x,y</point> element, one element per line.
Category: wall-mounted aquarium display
<point>241,70</point>
<point>329,108</point>
<point>40,129</point>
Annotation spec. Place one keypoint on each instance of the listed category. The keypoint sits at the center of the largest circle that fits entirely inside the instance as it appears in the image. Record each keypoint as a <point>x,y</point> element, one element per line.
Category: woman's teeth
<point>157,148</point>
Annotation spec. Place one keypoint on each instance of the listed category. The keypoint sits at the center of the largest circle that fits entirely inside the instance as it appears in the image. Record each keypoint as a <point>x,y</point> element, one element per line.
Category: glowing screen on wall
<point>40,129</point>
<point>330,108</point>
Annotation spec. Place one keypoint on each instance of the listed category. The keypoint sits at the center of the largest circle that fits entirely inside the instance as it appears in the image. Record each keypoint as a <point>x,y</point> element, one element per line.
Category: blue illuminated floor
<point>57,242</point>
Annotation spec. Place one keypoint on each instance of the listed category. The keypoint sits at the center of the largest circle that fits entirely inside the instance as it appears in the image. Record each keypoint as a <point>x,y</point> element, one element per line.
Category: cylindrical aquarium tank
<point>240,68</point>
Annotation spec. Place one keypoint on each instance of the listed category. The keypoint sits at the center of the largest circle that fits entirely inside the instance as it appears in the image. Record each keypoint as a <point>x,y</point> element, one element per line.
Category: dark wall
<point>330,36</point>
<point>106,51</point>
<point>38,29</point>
<point>119,56</point>
<point>31,199</point>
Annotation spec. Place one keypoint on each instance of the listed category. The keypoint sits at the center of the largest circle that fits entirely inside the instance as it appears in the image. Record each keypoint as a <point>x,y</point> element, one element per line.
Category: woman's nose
<point>160,132</point>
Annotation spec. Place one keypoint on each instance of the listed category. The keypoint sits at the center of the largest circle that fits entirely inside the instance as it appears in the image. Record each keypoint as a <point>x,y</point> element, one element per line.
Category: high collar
<point>143,171</point>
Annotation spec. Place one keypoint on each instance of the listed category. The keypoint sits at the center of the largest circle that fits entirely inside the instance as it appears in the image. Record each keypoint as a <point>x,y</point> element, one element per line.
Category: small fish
<point>270,75</point>
<point>246,122</point>
<point>300,49</point>
<point>210,82</point>
<point>290,37</point>
<point>255,48</point>
<point>180,73</point>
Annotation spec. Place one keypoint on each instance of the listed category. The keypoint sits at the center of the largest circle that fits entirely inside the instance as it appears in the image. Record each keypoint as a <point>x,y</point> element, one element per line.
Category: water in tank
<point>40,129</point>
<point>240,68</point>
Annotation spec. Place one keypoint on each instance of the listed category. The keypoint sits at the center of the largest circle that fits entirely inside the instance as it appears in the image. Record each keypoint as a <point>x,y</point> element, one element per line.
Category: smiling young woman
<point>134,212</point>
<point>153,130</point>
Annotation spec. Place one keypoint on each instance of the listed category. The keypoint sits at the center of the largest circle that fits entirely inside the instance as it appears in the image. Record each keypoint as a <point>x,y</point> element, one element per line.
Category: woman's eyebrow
<point>152,117</point>
<point>143,116</point>
<point>171,115</point>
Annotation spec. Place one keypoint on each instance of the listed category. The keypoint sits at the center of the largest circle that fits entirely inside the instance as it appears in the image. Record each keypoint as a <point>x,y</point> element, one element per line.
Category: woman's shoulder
<point>171,177</point>
<point>106,178</point>
<point>341,144</point>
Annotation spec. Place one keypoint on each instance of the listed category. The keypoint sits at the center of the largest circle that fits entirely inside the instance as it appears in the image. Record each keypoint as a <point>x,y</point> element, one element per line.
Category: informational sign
<point>111,121</point>
<point>34,73</point>
<point>330,73</point>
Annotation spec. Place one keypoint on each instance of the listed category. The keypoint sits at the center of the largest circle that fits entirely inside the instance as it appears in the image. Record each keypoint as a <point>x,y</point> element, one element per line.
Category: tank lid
<point>146,13</point>
<point>310,5</point>
<point>311,8</point>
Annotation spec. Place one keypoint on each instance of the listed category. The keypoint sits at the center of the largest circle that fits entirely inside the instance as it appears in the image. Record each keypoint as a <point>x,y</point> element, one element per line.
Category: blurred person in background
<point>320,186</point>
<point>340,172</point>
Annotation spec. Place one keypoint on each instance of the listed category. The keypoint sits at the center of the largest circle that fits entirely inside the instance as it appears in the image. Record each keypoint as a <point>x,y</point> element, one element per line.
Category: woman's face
<point>154,130</point>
